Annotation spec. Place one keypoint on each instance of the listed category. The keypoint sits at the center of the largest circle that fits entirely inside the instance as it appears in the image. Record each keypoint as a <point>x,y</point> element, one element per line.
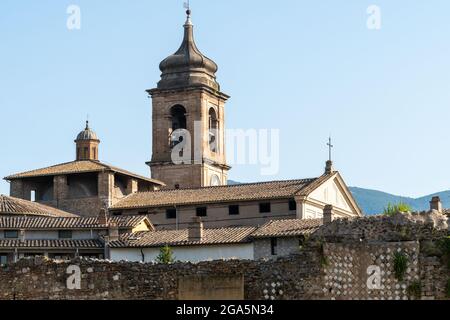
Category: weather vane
<point>187,5</point>
<point>330,146</point>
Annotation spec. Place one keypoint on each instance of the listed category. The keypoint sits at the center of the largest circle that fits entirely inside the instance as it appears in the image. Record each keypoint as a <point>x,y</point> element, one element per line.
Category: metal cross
<point>330,146</point>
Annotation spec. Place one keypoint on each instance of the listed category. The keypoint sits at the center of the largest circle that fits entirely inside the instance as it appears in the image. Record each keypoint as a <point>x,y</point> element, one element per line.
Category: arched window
<point>178,114</point>
<point>213,130</point>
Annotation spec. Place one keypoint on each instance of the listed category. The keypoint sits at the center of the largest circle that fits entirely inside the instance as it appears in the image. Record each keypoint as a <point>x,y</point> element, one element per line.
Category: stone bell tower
<point>188,112</point>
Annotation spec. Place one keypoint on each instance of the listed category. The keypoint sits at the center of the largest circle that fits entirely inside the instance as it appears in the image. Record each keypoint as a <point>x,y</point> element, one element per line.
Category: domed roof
<point>188,66</point>
<point>87,134</point>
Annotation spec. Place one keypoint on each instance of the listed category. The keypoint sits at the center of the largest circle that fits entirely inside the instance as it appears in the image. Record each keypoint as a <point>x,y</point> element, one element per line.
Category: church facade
<point>189,171</point>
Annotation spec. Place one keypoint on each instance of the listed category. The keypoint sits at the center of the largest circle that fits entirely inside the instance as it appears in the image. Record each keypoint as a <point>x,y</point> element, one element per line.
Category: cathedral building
<point>189,171</point>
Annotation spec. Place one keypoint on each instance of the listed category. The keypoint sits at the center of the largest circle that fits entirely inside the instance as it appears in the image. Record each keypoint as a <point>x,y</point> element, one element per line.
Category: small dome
<point>87,134</point>
<point>188,66</point>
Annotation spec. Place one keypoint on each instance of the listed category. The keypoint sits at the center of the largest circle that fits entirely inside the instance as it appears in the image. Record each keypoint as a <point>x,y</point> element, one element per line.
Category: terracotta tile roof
<point>53,244</point>
<point>48,223</point>
<point>77,167</point>
<point>287,228</point>
<point>13,206</point>
<point>241,192</point>
<point>180,238</point>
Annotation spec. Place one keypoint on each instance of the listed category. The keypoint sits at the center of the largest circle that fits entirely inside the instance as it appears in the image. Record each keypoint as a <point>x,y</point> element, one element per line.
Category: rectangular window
<point>202,212</point>
<point>65,234</point>
<point>33,196</point>
<point>11,234</point>
<point>117,213</point>
<point>264,207</point>
<point>233,210</point>
<point>273,246</point>
<point>3,259</point>
<point>292,205</point>
<point>171,213</point>
<point>143,213</point>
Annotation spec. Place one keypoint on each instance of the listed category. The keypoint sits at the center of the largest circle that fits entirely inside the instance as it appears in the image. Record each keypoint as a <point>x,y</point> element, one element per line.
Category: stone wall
<point>345,259</point>
<point>38,278</point>
<point>284,247</point>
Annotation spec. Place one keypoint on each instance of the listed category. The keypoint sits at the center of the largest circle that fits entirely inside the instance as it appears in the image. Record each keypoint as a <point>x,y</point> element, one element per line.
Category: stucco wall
<point>187,254</point>
<point>218,214</point>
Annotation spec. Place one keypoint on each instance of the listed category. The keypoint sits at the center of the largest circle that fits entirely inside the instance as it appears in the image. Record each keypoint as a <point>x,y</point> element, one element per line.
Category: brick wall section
<point>16,189</point>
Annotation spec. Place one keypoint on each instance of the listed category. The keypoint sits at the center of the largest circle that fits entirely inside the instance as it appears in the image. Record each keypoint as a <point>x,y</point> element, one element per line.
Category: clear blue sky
<point>306,67</point>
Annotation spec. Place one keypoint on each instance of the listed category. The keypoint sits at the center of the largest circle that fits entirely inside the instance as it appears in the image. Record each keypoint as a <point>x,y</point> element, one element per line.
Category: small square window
<point>171,213</point>
<point>202,212</point>
<point>292,205</point>
<point>264,207</point>
<point>11,234</point>
<point>65,234</point>
<point>233,210</point>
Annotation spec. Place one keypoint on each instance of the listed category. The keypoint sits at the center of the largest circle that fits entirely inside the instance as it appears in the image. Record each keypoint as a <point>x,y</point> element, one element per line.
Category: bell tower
<point>188,114</point>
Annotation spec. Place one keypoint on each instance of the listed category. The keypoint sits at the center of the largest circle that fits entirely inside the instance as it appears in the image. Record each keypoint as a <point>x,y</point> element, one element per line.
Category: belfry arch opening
<point>178,114</point>
<point>213,130</point>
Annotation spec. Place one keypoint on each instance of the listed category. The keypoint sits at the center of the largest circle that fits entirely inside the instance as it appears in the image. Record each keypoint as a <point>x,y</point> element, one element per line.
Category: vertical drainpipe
<point>176,215</point>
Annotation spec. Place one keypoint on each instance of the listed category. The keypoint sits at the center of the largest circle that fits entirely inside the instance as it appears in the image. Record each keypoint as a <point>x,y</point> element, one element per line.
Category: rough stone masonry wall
<point>346,259</point>
<point>38,278</point>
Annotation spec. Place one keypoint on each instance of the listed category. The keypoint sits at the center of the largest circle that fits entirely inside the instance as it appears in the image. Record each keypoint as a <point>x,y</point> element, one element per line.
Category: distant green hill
<point>373,202</point>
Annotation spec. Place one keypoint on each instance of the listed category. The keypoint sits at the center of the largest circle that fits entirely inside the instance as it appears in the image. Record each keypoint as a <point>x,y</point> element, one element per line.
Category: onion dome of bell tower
<point>188,66</point>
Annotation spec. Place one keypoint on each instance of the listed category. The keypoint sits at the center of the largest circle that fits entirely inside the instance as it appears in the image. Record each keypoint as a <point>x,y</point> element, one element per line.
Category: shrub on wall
<point>444,245</point>
<point>393,209</point>
<point>414,290</point>
<point>400,265</point>
<point>165,255</point>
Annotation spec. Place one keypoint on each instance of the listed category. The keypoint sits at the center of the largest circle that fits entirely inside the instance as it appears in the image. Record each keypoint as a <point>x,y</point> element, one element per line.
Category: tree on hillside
<point>165,255</point>
<point>393,209</point>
